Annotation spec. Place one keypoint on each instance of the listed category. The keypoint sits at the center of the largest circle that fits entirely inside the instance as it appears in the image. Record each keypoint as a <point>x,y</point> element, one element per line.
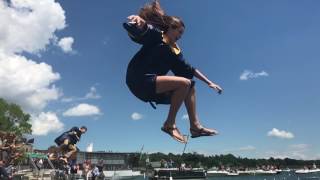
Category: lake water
<point>281,176</point>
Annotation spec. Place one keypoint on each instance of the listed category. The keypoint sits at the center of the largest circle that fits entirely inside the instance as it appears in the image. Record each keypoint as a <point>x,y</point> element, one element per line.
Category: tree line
<point>196,160</point>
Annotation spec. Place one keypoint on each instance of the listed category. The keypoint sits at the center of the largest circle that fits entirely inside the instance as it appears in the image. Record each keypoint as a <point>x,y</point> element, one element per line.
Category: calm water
<point>281,176</point>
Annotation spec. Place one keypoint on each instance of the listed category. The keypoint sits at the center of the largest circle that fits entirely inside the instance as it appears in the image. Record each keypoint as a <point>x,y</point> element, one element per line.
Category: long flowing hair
<point>153,14</point>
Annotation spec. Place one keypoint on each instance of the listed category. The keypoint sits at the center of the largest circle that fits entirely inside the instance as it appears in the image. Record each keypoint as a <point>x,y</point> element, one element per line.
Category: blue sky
<point>264,54</point>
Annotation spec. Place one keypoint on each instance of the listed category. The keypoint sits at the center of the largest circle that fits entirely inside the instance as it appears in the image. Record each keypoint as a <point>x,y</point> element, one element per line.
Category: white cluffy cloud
<point>92,94</point>
<point>247,74</point>
<point>45,123</point>
<point>90,147</point>
<point>280,134</point>
<point>66,44</point>
<point>30,26</point>
<point>83,110</point>
<point>26,82</point>
<point>136,116</point>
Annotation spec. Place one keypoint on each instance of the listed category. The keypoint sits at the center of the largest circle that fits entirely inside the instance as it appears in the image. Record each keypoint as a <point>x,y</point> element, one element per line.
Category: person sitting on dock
<point>67,141</point>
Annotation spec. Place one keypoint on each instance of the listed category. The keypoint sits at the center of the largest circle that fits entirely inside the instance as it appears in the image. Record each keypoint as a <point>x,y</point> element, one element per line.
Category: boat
<point>178,173</point>
<point>279,170</point>
<point>122,174</point>
<point>265,172</point>
<point>286,170</point>
<point>217,173</point>
<point>307,170</point>
<point>222,173</point>
<point>246,172</point>
<point>233,173</point>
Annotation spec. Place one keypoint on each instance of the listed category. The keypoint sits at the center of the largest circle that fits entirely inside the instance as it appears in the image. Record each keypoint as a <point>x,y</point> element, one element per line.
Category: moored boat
<point>217,173</point>
<point>264,172</point>
<point>233,173</point>
<point>122,174</point>
<point>306,170</point>
<point>179,173</point>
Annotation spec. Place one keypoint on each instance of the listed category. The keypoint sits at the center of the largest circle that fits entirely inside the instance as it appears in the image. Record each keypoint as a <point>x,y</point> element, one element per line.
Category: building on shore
<point>111,160</point>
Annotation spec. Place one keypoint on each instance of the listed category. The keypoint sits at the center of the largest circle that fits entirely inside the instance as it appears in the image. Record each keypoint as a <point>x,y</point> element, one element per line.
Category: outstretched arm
<point>211,84</point>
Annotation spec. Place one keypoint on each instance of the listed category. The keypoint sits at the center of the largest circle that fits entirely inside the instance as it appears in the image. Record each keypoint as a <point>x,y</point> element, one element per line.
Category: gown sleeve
<point>180,67</point>
<point>147,36</point>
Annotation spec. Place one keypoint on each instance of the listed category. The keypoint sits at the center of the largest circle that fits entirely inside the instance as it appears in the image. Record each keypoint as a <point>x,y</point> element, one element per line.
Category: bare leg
<point>190,103</point>
<point>72,150</point>
<point>179,87</point>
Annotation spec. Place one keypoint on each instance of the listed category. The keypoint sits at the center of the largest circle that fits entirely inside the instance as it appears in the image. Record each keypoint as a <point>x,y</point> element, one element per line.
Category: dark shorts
<point>59,140</point>
<point>144,88</point>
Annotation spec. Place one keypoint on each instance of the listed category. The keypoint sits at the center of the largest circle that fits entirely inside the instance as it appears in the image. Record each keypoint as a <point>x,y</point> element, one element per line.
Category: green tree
<point>13,119</point>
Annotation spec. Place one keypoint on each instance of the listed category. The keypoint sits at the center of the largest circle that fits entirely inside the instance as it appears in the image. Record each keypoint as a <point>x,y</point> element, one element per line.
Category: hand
<point>215,87</point>
<point>134,19</point>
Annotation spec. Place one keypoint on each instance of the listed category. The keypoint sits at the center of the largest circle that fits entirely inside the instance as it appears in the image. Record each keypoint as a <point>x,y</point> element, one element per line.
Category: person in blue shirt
<point>67,141</point>
<point>147,73</point>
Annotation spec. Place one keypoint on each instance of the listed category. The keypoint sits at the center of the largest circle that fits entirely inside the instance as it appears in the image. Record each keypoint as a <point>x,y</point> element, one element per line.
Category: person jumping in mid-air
<point>147,72</point>
<point>67,141</point>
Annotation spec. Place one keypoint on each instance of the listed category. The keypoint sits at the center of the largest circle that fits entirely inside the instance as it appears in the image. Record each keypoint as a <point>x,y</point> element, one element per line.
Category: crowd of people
<point>11,149</point>
<point>86,170</point>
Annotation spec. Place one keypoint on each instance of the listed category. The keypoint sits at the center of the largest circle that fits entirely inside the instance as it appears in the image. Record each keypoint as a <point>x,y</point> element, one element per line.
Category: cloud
<point>296,151</point>
<point>90,148</point>
<point>185,117</point>
<point>29,25</point>
<point>66,44</point>
<point>247,74</point>
<point>299,146</point>
<point>92,94</point>
<point>26,82</point>
<point>136,116</point>
<point>247,148</point>
<point>45,123</point>
<point>280,134</point>
<point>82,110</point>
<point>67,99</point>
